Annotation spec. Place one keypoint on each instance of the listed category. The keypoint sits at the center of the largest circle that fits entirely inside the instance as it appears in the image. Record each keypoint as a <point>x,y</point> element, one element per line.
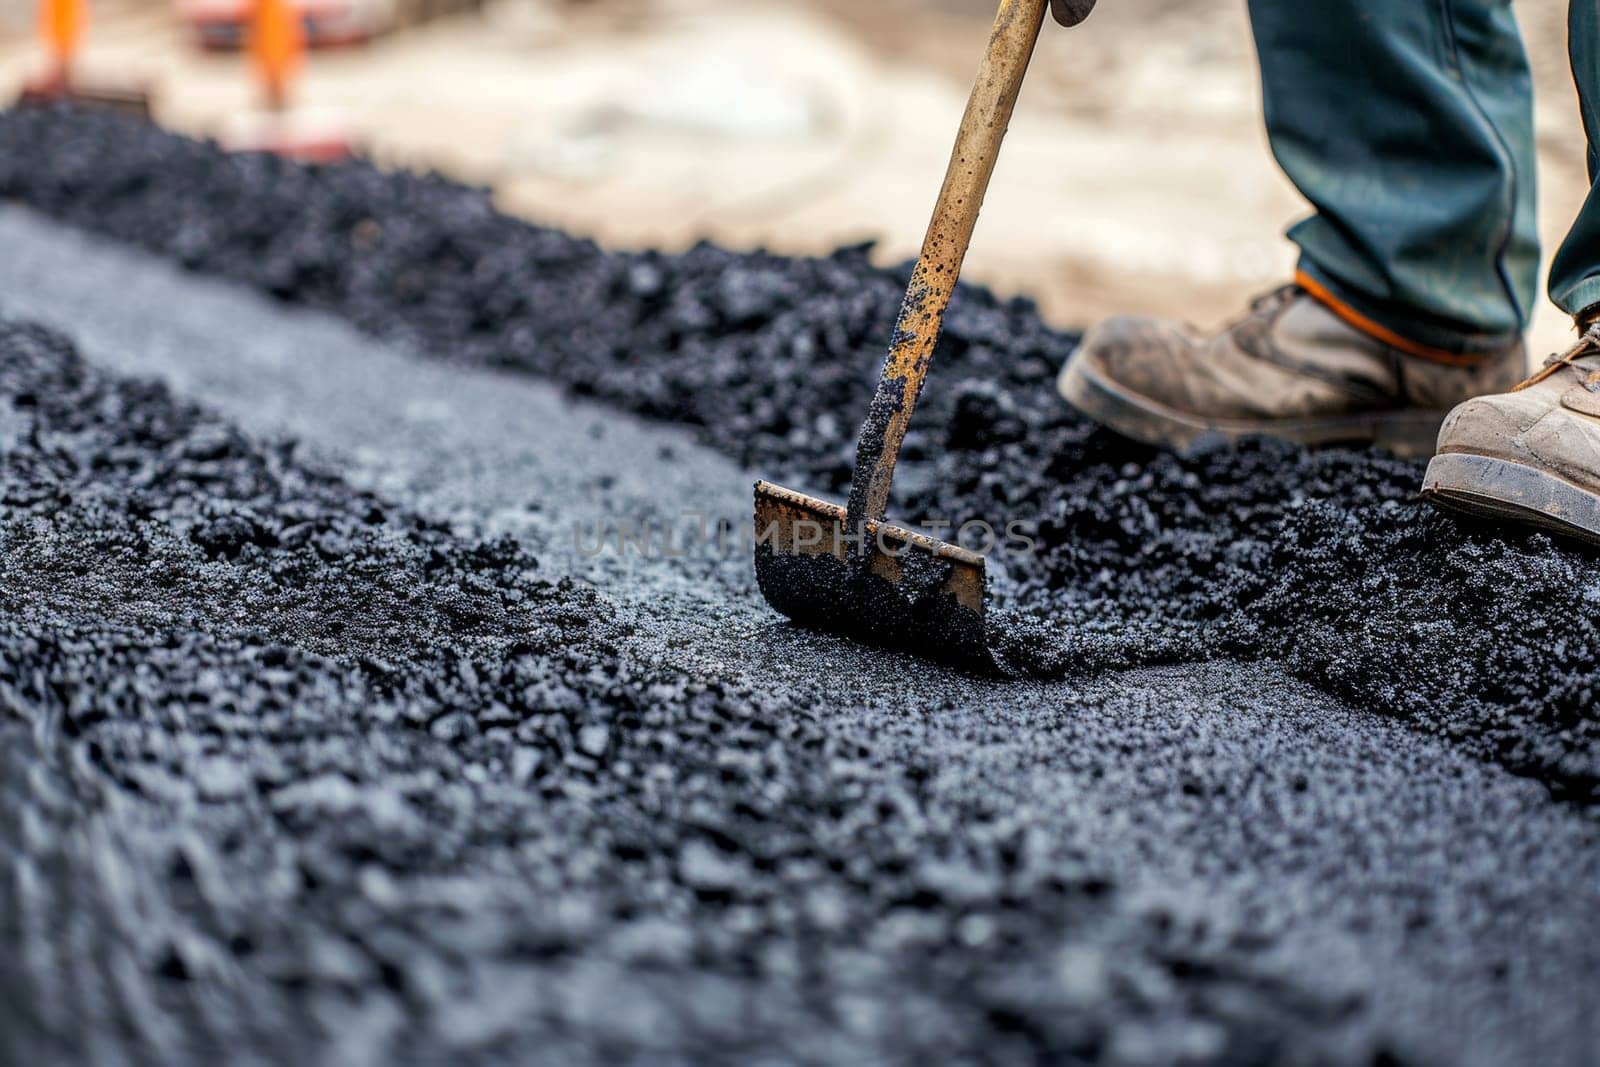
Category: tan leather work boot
<point>1531,455</point>
<point>1292,368</point>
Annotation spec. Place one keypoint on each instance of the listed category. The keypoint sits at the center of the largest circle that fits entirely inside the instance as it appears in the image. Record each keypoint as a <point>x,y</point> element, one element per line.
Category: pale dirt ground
<point>1136,176</point>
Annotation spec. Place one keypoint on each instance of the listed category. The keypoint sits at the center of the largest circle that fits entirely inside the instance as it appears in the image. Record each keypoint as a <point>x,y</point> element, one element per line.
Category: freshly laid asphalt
<point>233,832</point>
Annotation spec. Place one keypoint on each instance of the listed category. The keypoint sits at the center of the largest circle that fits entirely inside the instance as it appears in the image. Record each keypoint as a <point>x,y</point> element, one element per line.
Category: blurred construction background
<point>1136,177</point>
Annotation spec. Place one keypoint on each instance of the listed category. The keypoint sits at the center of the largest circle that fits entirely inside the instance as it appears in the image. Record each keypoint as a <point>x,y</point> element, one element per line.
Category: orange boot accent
<point>1352,317</point>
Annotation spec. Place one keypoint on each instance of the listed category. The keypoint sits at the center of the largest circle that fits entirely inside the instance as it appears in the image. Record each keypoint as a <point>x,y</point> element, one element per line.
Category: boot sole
<point>1409,434</point>
<point>1500,489</point>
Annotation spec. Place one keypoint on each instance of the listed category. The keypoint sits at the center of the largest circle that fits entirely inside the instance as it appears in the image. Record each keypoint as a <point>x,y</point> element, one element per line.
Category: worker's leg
<point>1532,455</point>
<point>1408,124</point>
<point>1575,274</point>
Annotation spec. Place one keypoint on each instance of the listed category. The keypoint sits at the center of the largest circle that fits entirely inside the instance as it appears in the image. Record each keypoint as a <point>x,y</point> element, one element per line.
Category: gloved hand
<point>1071,12</point>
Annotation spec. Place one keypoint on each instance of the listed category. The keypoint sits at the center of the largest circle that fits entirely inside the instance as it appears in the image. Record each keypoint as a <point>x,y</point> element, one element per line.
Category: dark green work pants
<point>1408,124</point>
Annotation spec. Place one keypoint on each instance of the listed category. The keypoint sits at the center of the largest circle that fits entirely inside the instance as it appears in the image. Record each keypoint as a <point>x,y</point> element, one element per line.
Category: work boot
<point>1530,455</point>
<point>1291,368</point>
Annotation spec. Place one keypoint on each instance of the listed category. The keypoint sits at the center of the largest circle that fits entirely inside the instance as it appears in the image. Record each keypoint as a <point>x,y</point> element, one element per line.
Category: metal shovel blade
<point>884,584</point>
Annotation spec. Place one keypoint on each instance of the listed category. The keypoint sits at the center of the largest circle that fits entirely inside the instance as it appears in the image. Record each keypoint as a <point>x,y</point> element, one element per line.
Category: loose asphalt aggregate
<point>329,734</point>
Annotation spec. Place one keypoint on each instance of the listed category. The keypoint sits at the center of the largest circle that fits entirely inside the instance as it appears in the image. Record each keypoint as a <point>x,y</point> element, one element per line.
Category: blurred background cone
<point>62,26</point>
<point>277,48</point>
<point>276,42</point>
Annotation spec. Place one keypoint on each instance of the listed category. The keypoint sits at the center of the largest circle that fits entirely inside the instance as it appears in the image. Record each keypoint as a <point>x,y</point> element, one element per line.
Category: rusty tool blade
<point>879,583</point>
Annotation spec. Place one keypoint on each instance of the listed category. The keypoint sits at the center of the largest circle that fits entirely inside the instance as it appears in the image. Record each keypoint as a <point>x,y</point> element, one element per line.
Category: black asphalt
<point>349,749</point>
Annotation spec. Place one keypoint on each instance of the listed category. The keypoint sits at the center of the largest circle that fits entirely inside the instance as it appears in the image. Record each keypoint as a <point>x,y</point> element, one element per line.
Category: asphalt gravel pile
<point>288,771</point>
<point>1318,560</point>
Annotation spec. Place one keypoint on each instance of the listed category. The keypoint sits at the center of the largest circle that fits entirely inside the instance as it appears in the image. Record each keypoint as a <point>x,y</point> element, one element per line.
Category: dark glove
<point>1071,12</point>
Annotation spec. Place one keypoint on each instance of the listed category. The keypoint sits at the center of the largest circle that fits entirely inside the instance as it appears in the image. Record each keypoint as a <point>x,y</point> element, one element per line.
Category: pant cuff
<point>1412,335</point>
<point>1577,299</point>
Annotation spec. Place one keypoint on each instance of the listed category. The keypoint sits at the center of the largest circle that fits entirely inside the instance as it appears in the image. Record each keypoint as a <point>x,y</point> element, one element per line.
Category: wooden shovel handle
<point>1011,44</point>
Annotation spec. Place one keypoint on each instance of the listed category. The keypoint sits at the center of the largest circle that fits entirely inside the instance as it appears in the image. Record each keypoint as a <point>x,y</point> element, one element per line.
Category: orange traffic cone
<point>276,41</point>
<point>277,48</point>
<point>62,26</point>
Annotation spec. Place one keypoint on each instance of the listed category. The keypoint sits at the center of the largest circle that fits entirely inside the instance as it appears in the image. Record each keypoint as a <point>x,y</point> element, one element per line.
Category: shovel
<point>847,569</point>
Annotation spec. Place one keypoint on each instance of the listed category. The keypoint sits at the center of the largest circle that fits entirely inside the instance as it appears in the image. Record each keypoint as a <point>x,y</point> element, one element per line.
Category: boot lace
<point>1266,304</point>
<point>1587,345</point>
